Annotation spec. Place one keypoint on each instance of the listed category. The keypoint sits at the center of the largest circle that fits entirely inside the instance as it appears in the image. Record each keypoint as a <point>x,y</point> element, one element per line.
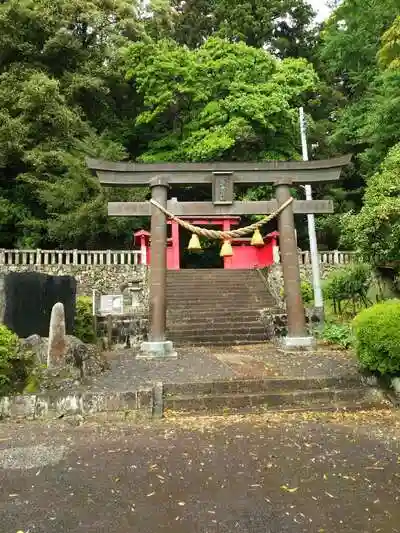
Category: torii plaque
<point>222,177</point>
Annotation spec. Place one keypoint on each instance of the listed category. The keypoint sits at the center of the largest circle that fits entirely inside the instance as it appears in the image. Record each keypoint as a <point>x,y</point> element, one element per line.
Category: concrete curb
<point>138,404</point>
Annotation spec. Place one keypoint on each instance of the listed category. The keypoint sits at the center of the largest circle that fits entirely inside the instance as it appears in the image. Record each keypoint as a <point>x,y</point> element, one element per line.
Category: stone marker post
<point>57,340</point>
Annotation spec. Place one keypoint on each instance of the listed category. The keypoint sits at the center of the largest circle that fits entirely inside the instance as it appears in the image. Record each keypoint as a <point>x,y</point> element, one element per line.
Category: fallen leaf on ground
<point>288,489</point>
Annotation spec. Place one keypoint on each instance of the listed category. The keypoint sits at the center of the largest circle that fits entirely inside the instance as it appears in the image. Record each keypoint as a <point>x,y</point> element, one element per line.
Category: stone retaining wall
<point>107,279</point>
<point>137,404</point>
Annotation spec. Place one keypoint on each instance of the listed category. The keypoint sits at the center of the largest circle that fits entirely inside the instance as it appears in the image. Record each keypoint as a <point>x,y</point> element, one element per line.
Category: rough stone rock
<point>80,361</point>
<point>57,337</point>
<point>275,320</point>
<point>127,331</point>
<point>38,346</point>
<point>87,357</point>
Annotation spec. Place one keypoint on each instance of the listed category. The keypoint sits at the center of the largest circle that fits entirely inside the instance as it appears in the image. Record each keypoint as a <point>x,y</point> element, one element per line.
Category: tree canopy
<point>222,101</point>
<point>375,230</point>
<point>191,80</point>
<point>281,25</point>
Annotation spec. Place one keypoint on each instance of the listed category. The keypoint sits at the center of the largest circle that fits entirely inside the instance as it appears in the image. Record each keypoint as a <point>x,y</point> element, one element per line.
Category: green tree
<point>350,41</point>
<point>284,26</point>
<point>389,54</point>
<point>222,101</point>
<point>60,100</point>
<point>375,230</point>
<point>359,111</point>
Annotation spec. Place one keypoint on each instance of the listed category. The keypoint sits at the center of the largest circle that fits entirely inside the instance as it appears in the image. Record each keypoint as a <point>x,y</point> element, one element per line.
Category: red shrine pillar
<point>226,226</point>
<point>174,259</point>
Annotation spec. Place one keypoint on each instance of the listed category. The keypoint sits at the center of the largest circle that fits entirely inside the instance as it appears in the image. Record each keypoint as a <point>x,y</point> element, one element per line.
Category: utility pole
<point>312,235</point>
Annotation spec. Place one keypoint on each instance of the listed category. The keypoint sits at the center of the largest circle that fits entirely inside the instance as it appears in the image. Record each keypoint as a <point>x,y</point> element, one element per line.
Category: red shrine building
<point>245,256</point>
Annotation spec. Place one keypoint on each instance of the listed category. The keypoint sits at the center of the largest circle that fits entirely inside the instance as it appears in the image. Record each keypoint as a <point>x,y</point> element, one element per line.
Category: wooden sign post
<point>222,177</point>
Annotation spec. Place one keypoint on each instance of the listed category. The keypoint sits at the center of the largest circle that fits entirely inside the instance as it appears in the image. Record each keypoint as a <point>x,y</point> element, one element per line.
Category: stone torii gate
<point>222,177</point>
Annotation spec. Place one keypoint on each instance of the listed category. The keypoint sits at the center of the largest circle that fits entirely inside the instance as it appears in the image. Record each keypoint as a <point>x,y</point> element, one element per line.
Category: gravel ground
<point>261,474</point>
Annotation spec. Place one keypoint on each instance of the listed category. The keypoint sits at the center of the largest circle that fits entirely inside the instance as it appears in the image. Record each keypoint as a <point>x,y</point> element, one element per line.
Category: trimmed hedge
<point>377,337</point>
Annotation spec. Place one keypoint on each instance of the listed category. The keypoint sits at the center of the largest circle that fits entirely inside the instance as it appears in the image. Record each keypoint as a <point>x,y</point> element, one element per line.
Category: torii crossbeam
<point>222,177</point>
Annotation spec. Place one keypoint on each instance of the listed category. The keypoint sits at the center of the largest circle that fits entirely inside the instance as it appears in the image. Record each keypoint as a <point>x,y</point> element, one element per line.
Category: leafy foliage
<point>8,358</point>
<point>55,93</point>
<point>84,326</point>
<point>389,54</point>
<point>307,292</point>
<point>348,284</point>
<point>375,230</point>
<point>337,335</point>
<point>198,80</point>
<point>281,25</point>
<point>350,42</point>
<point>359,113</point>
<point>220,101</point>
<point>377,335</point>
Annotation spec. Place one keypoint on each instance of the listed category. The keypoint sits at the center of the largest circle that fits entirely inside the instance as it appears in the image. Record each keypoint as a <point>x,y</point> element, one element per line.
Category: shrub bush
<point>337,334</point>
<point>307,292</point>
<point>350,283</point>
<point>377,337</point>
<point>9,357</point>
<point>84,327</point>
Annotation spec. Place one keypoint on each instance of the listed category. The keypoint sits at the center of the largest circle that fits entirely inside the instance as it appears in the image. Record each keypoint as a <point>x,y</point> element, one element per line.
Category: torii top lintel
<point>124,174</point>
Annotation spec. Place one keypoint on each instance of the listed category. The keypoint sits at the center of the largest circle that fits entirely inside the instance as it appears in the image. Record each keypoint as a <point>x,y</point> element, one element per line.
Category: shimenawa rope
<point>214,234</point>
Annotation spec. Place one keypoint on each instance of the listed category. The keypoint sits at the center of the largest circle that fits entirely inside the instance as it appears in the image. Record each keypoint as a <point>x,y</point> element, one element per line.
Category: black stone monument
<point>28,299</point>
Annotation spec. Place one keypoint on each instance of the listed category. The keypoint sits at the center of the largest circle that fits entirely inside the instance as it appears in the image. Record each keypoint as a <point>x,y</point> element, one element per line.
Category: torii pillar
<point>158,345</point>
<point>222,177</point>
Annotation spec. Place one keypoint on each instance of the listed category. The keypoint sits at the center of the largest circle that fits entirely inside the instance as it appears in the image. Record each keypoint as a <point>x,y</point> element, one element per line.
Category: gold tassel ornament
<point>257,239</point>
<point>226,249</point>
<point>194,244</point>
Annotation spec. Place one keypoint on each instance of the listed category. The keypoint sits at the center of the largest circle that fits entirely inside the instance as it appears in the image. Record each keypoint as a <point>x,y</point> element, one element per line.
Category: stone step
<point>216,271</point>
<point>217,300</point>
<point>218,339</point>
<point>228,282</point>
<point>197,305</point>
<point>183,343</point>
<point>225,289</point>
<point>217,291</point>
<point>359,398</point>
<point>221,328</point>
<point>250,278</point>
<point>233,331</point>
<point>210,313</point>
<point>237,286</point>
<point>219,324</point>
<point>213,321</point>
<point>216,308</point>
<point>267,385</point>
<point>178,312</point>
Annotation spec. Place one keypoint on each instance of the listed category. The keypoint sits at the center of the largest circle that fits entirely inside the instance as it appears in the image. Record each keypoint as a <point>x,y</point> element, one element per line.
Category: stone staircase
<point>216,307</point>
<point>274,394</point>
